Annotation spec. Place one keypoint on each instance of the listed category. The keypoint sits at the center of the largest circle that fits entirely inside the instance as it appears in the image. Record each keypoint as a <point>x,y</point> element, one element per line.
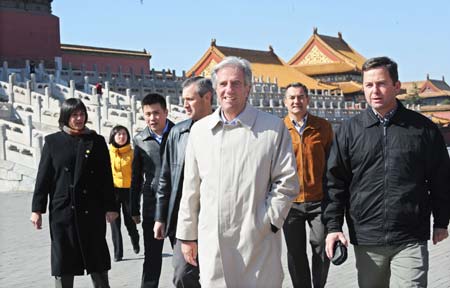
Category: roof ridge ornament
<point>213,42</point>
<point>270,48</point>
<point>315,30</point>
<point>340,35</point>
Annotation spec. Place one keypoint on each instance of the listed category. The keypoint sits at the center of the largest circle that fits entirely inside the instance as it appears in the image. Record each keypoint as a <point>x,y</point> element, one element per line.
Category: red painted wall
<point>103,61</point>
<point>28,35</point>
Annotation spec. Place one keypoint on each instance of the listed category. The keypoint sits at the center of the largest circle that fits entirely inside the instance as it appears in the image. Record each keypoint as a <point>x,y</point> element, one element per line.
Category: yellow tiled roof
<point>349,86</point>
<point>329,68</point>
<point>265,64</point>
<point>337,47</point>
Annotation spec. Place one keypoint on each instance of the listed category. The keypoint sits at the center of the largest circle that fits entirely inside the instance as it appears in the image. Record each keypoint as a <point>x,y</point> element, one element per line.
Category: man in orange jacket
<point>311,139</point>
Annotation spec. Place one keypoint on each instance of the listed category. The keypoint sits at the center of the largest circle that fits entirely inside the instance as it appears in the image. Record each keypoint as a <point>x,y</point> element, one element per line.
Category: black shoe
<point>136,248</point>
<point>117,259</point>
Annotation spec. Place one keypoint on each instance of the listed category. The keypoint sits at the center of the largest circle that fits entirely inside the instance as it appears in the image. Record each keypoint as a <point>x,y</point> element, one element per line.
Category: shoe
<point>117,259</point>
<point>136,248</point>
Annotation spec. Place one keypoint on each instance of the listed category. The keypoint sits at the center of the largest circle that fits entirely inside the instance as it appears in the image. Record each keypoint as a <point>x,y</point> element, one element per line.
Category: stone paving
<point>25,255</point>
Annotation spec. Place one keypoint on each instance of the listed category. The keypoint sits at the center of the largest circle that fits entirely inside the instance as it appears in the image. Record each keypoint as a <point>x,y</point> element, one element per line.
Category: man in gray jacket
<point>197,95</point>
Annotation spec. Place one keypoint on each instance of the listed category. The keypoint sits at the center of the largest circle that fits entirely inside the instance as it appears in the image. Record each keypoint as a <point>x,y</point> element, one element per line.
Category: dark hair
<point>113,133</point>
<point>154,98</point>
<point>376,62</point>
<point>297,85</point>
<point>67,108</point>
<point>203,85</point>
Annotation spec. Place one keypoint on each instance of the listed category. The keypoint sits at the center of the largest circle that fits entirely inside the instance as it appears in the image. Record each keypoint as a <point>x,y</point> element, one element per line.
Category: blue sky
<point>416,34</point>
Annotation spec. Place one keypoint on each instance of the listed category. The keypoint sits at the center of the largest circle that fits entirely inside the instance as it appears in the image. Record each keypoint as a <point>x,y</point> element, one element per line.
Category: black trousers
<point>152,256</point>
<point>123,200</point>
<point>99,280</point>
<point>185,275</point>
<point>295,234</point>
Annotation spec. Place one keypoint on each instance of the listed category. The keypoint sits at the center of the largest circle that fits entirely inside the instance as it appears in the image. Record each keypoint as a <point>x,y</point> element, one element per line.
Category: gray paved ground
<point>25,255</point>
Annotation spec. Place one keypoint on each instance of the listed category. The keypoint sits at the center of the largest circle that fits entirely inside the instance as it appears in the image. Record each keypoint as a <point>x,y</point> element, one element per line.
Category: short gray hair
<point>202,85</point>
<point>232,61</point>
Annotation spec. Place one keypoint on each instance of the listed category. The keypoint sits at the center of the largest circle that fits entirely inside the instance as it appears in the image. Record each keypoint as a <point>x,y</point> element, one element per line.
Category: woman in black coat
<point>75,175</point>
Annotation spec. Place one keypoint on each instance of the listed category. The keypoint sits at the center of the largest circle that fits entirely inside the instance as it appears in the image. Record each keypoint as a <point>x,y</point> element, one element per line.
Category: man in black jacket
<point>387,171</point>
<point>197,95</point>
<point>148,149</point>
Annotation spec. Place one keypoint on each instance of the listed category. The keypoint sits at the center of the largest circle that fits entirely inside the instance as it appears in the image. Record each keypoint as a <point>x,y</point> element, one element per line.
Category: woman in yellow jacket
<point>121,155</point>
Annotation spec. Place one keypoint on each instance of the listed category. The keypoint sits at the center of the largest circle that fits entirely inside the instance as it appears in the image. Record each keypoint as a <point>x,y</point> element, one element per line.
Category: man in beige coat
<point>240,178</point>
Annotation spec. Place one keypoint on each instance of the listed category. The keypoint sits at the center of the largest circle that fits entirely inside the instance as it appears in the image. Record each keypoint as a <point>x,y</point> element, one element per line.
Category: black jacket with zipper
<point>387,179</point>
<point>170,185</point>
<point>145,172</point>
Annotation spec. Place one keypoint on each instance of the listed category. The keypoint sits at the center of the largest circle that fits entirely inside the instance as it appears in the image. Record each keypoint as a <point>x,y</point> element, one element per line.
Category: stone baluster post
<point>28,129</point>
<point>51,85</point>
<point>71,88</point>
<point>37,147</point>
<point>58,68</point>
<point>130,122</point>
<point>12,80</point>
<point>133,109</point>
<point>5,71</point>
<point>106,90</point>
<point>46,100</point>
<point>28,92</point>
<point>86,85</point>
<point>38,109</point>
<point>98,120</point>
<point>169,105</point>
<point>2,141</point>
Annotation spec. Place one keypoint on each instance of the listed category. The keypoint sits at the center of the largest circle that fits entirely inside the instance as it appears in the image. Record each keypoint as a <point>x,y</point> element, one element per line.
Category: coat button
<point>66,169</point>
<point>84,191</point>
<point>86,212</point>
<point>72,207</point>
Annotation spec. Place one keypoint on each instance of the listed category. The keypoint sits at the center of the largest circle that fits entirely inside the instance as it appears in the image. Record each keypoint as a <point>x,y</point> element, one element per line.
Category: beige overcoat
<point>238,179</point>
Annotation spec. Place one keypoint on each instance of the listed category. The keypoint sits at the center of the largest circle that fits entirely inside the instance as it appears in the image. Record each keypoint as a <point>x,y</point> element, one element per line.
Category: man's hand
<point>439,234</point>
<point>158,230</point>
<point>329,242</point>
<point>111,216</point>
<point>136,219</point>
<point>189,250</point>
<point>36,219</point>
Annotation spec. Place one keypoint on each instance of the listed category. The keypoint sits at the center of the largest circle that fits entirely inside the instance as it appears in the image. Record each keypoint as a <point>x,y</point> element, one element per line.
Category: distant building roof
<point>70,48</point>
<point>265,64</point>
<point>428,88</point>
<point>332,54</point>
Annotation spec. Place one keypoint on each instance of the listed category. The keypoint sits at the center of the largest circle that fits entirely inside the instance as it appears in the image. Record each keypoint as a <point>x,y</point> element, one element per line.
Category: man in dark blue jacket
<point>387,171</point>
<point>148,149</point>
<point>197,95</point>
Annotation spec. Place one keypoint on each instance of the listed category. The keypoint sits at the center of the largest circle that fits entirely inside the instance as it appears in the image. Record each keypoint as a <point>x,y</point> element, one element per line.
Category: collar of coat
<point>371,119</point>
<point>147,134</point>
<point>246,118</point>
<point>312,122</point>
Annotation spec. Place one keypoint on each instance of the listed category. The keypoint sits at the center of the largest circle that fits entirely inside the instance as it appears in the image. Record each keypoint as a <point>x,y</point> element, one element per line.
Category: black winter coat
<point>145,172</point>
<point>75,174</point>
<point>170,185</point>
<point>388,179</point>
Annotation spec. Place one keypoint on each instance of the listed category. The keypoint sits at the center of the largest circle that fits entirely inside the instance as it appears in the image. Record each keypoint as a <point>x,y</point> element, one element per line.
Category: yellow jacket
<point>311,151</point>
<point>121,159</point>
